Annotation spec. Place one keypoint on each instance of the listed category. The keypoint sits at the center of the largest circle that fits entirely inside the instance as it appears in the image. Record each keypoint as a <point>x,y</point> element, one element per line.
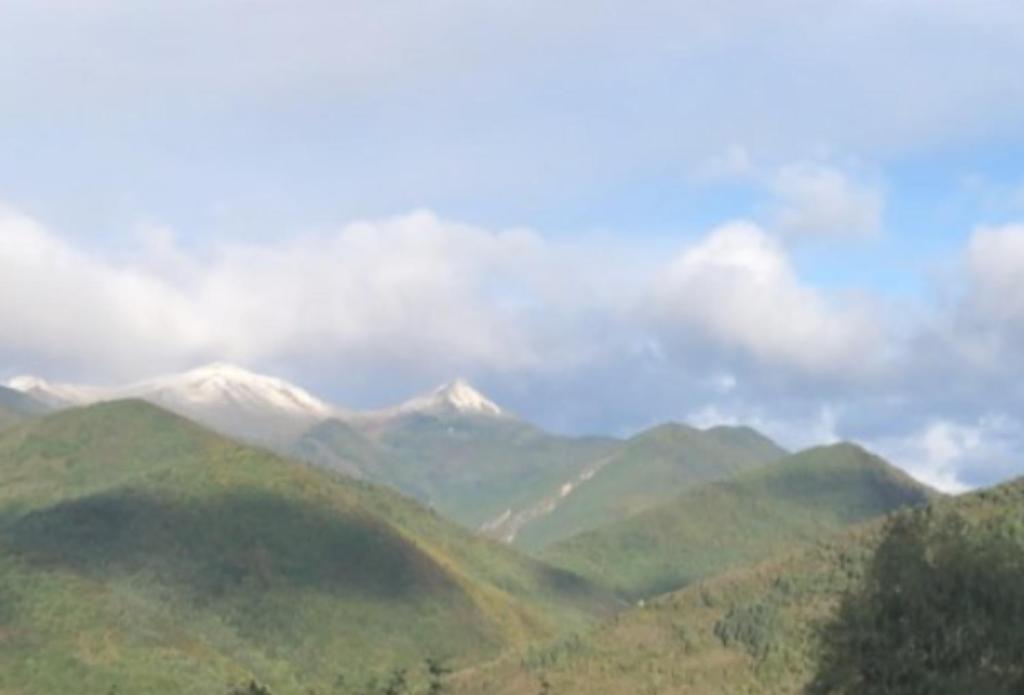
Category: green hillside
<point>930,600</point>
<point>339,446</point>
<point>649,469</point>
<point>142,553</point>
<point>753,516</point>
<point>470,468</point>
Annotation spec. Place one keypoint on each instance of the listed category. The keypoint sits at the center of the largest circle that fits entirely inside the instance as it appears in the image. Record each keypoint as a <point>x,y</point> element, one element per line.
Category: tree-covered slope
<point>927,600</point>
<point>757,514</point>
<point>647,470</point>
<point>470,467</point>
<point>141,552</point>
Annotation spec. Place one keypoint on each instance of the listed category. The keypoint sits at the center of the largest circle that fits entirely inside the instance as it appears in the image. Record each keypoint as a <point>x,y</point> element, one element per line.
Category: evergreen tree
<point>436,672</point>
<point>397,684</point>
<point>939,611</point>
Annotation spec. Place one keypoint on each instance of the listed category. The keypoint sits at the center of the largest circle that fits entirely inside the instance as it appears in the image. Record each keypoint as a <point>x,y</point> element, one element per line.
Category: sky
<point>803,216</point>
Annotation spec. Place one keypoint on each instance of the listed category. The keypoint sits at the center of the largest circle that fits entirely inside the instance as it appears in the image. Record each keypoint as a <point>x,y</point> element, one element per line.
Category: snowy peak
<point>458,396</point>
<point>226,397</point>
<point>221,384</point>
<point>53,394</point>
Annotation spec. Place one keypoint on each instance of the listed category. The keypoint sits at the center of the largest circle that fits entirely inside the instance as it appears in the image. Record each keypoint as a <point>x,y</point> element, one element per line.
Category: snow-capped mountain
<point>223,396</point>
<point>253,406</point>
<point>236,401</point>
<point>457,396</point>
<point>220,384</point>
<point>55,395</point>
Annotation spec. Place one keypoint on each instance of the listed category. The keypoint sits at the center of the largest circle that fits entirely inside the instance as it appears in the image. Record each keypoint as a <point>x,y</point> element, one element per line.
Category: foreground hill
<point>649,469</point>
<point>753,516</point>
<point>142,553</point>
<point>765,629</point>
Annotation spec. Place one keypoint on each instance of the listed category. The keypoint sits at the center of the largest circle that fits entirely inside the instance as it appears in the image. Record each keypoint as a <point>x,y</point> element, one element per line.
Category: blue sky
<point>552,200</point>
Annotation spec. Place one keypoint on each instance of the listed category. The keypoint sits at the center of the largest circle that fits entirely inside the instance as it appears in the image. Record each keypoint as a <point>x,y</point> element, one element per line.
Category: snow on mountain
<point>457,396</point>
<point>55,395</point>
<point>223,384</point>
<point>253,406</point>
<point>222,396</point>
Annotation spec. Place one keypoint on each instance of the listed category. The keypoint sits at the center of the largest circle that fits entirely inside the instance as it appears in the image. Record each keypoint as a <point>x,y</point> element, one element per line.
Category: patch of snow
<point>458,396</point>
<point>221,383</point>
<point>55,394</point>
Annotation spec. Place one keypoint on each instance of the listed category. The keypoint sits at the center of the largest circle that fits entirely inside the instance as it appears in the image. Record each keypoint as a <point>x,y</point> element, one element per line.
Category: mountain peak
<point>457,395</point>
<point>52,394</point>
<point>221,381</point>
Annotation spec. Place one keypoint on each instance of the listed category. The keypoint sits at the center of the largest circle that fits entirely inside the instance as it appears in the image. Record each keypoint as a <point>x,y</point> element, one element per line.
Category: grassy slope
<point>469,468</point>
<point>651,468</point>
<point>720,525</point>
<point>140,550</point>
<point>774,610</point>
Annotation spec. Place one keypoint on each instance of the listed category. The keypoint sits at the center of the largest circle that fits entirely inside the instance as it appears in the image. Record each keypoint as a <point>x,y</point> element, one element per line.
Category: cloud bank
<point>580,334</point>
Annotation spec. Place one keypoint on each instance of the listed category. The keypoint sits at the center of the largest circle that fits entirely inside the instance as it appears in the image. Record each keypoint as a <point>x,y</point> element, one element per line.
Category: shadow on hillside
<point>214,547</point>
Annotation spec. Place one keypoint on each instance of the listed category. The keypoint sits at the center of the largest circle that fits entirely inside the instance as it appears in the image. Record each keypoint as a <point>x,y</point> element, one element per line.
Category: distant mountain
<point>140,553</point>
<point>455,450</point>
<point>54,395</point>
<point>455,398</point>
<point>648,469</point>
<point>225,397</point>
<point>716,526</point>
<point>16,406</point>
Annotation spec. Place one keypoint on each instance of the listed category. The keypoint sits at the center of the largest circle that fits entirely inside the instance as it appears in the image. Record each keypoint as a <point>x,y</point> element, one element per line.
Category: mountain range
<point>453,449</point>
<point>192,531</point>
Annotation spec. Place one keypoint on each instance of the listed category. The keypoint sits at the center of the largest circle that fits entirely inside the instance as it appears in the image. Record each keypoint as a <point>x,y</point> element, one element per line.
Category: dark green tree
<point>939,611</point>
<point>253,688</point>
<point>397,684</point>
<point>436,673</point>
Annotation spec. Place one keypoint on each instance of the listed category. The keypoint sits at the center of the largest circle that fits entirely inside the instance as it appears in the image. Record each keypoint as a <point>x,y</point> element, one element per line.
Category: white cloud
<point>815,200</point>
<point>58,302</point>
<point>738,289</point>
<point>995,262</point>
<point>412,288</point>
<point>979,333</point>
<point>956,456</point>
